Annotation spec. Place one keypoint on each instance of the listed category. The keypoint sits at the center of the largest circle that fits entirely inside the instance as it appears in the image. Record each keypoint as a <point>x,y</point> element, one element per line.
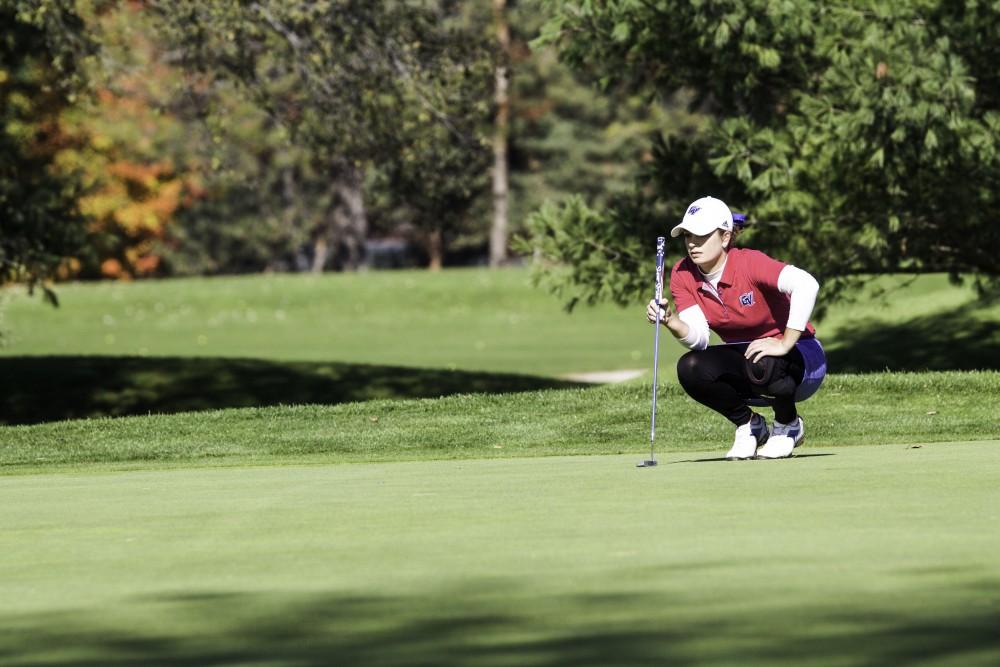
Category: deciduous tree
<point>860,137</point>
<point>41,47</point>
<point>361,85</point>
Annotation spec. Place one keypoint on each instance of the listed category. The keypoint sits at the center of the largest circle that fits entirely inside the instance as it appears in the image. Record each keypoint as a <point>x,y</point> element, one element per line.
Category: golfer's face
<point>704,249</point>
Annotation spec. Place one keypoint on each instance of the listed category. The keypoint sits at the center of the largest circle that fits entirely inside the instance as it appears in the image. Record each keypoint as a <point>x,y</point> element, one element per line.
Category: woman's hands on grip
<point>665,312</point>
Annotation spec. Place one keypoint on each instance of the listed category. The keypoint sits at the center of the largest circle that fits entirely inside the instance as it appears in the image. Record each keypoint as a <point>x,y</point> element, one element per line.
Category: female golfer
<point>760,307</point>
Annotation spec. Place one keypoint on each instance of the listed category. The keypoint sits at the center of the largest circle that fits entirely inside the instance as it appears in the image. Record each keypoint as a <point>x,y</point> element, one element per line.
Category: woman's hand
<point>766,347</point>
<point>664,309</point>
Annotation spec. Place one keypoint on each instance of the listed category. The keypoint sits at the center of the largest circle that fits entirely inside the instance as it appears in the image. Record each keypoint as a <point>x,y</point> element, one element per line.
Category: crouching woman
<point>760,308</point>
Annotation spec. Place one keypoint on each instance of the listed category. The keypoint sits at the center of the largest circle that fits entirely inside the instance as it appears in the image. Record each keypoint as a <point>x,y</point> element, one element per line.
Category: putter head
<point>648,463</point>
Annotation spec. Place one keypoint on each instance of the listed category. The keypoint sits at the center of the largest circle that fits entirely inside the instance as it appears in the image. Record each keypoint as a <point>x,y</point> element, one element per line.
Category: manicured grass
<point>852,556</point>
<point>918,323</point>
<point>466,319</point>
<point>202,344</point>
<point>850,410</point>
<point>461,534</point>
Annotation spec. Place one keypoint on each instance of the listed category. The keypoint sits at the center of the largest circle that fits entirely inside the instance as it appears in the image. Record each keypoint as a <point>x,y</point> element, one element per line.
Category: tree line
<point>176,137</point>
<point>219,137</point>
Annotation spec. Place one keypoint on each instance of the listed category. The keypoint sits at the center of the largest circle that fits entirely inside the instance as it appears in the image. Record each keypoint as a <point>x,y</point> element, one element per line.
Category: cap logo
<point>693,210</point>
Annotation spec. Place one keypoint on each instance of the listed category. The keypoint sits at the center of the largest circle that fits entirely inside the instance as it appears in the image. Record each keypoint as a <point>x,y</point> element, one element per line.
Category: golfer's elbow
<point>695,339</point>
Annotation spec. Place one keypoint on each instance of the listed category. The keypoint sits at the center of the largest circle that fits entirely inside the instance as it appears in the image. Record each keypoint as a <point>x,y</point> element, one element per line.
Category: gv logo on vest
<point>746,299</point>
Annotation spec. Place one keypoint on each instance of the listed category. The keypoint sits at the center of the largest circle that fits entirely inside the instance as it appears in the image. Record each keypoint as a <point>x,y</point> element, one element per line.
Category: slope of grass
<point>851,409</point>
<point>169,346</point>
<point>865,556</point>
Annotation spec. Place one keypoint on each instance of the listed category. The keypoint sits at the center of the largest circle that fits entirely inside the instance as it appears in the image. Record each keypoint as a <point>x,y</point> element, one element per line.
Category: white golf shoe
<point>784,438</point>
<point>748,437</point>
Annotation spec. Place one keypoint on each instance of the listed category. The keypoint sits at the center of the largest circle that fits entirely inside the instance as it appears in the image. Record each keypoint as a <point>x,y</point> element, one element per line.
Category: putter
<point>660,244</point>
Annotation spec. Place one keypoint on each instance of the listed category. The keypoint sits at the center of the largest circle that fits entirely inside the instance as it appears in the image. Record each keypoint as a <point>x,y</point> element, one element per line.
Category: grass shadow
<point>962,339</point>
<point>43,389</point>
<point>723,459</point>
<point>474,628</point>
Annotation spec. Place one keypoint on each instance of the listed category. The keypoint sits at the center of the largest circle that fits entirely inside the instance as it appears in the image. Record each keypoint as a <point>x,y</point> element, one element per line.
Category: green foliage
<point>594,253</point>
<point>441,171</point>
<point>41,48</point>
<point>859,138</point>
<point>568,138</point>
<point>264,197</point>
<point>240,226</point>
<point>578,243</point>
<point>399,88</point>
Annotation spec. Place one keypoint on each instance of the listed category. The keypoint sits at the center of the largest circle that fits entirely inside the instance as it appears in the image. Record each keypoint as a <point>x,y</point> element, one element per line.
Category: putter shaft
<point>661,243</point>
<point>656,363</point>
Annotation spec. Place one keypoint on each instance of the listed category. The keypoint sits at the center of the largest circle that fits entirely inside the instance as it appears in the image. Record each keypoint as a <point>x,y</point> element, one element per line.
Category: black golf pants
<point>721,378</point>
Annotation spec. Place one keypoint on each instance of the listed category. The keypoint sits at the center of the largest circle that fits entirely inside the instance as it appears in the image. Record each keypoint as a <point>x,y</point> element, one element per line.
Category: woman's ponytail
<point>739,224</point>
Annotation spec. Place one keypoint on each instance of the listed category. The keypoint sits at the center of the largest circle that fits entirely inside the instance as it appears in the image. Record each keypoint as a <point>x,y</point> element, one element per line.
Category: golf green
<point>865,555</point>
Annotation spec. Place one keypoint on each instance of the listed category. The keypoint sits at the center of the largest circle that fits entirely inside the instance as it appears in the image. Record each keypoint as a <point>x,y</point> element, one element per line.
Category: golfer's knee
<point>689,368</point>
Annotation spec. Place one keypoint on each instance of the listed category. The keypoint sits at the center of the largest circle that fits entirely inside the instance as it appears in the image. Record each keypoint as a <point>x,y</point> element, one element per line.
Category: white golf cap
<point>705,216</point>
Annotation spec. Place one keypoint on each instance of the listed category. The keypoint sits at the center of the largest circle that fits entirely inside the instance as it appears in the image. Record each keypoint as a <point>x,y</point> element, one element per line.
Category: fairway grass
<point>459,319</point>
<point>503,523</point>
<point>114,349</point>
<point>867,555</point>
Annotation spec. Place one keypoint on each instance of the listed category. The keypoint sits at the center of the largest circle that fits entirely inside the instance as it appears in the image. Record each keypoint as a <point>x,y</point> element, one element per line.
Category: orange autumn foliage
<point>135,156</point>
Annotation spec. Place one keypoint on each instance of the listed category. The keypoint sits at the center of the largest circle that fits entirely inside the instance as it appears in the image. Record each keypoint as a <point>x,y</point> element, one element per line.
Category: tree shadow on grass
<point>966,338</point>
<point>41,389</point>
<point>473,627</point>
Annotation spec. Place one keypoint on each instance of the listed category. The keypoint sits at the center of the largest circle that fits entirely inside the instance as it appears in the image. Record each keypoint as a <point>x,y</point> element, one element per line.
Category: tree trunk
<point>321,250</point>
<point>346,223</point>
<point>435,249</point>
<point>353,218</point>
<point>501,130</point>
<point>290,216</point>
